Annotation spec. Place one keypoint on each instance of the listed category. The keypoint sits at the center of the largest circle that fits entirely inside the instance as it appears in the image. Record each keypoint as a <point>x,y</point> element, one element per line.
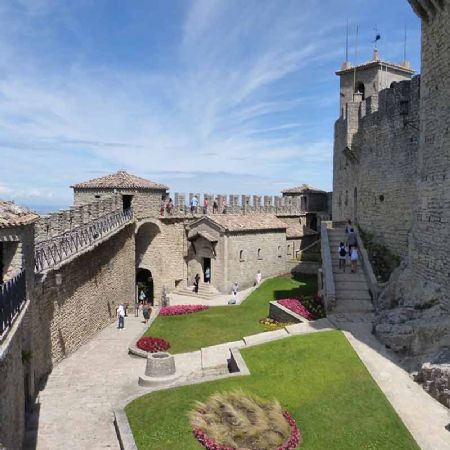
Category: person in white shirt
<point>121,316</point>
<point>258,278</point>
<point>354,256</point>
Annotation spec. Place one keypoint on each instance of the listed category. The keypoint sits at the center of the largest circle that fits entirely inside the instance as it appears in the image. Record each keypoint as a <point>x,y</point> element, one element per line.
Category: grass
<point>318,378</point>
<point>220,324</point>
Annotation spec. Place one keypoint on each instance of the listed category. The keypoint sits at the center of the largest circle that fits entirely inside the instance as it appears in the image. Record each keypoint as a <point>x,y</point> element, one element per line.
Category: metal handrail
<point>57,249</point>
<point>327,269</point>
<point>13,294</point>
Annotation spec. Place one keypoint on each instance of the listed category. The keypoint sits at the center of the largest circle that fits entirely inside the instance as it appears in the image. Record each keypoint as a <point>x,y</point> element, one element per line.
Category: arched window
<point>289,249</point>
<point>279,251</point>
<point>360,89</point>
<point>241,255</point>
<point>259,254</point>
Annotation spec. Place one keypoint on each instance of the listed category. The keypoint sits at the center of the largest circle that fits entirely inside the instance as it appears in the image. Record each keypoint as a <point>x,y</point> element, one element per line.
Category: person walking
<point>342,255</point>
<point>235,288</point>
<point>146,311</point>
<point>205,205</point>
<point>207,275</point>
<point>121,316</point>
<point>215,206</point>
<point>354,256</point>
<point>169,206</point>
<point>194,204</point>
<point>258,278</point>
<point>224,210</point>
<point>351,240</point>
<point>136,308</point>
<point>196,283</point>
<point>348,226</point>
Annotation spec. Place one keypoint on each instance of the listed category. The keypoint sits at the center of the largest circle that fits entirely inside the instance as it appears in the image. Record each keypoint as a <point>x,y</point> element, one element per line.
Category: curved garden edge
<point>240,368</point>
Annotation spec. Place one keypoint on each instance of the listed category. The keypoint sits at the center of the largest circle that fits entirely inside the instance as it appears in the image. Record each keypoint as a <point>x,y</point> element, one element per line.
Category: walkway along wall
<point>72,304</point>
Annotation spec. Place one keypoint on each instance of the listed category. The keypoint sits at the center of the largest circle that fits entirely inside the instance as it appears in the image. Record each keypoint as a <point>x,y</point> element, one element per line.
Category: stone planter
<point>160,369</point>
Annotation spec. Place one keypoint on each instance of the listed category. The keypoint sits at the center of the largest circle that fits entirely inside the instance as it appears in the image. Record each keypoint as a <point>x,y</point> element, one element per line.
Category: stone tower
<point>420,291</point>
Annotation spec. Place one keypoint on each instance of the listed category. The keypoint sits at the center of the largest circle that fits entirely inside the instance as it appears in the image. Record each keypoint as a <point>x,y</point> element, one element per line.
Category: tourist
<point>354,256</point>
<point>233,299</point>
<point>205,205</point>
<point>169,206</point>
<point>121,316</point>
<point>196,283</point>
<point>224,210</point>
<point>194,204</point>
<point>235,288</point>
<point>146,311</point>
<point>142,296</point>
<point>162,205</point>
<point>215,206</point>
<point>136,308</point>
<point>342,255</point>
<point>348,227</point>
<point>258,278</point>
<point>351,240</point>
<point>207,275</point>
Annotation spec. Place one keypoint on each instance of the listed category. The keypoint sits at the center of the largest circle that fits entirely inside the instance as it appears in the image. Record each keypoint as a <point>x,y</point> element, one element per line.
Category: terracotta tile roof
<point>239,222</point>
<point>13,215</point>
<point>119,180</point>
<point>303,189</point>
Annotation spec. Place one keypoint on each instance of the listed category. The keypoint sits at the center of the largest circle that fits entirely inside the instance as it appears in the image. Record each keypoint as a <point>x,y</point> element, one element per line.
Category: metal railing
<point>329,290</point>
<point>13,294</point>
<point>54,251</point>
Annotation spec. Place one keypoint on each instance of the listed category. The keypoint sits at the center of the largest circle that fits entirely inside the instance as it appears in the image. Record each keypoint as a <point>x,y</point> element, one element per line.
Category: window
<point>360,89</point>
<point>289,249</point>
<point>97,196</point>
<point>259,254</point>
<point>381,197</point>
<point>241,255</point>
<point>279,251</point>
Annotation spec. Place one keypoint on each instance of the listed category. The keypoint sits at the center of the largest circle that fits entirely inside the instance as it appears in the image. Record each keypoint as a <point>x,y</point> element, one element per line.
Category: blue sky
<point>208,96</point>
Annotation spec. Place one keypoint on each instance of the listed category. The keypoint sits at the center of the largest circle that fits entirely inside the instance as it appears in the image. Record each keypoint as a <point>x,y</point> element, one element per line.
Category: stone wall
<point>67,315</point>
<point>15,374</point>
<point>271,259</point>
<point>376,181</point>
<point>417,300</point>
<point>145,202</point>
<point>161,248</point>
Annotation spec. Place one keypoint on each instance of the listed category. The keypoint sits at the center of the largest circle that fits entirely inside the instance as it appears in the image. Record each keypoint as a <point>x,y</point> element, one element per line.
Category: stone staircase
<point>205,291</point>
<point>352,292</point>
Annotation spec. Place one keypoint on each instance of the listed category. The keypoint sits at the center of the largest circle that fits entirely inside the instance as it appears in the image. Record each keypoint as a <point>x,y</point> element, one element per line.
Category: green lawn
<point>221,324</point>
<point>318,378</point>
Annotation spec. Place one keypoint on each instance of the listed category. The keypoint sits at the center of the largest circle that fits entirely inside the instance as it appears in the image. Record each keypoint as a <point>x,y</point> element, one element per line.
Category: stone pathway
<point>75,410</point>
<point>218,300</point>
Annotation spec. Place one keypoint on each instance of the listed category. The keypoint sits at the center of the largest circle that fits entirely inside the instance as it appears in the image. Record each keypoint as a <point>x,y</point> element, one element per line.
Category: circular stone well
<point>160,369</point>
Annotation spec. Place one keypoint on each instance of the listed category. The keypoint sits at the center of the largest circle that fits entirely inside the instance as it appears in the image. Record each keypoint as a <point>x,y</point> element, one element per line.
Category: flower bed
<point>296,305</point>
<point>177,310</point>
<point>152,344</point>
<point>272,324</point>
<point>290,444</point>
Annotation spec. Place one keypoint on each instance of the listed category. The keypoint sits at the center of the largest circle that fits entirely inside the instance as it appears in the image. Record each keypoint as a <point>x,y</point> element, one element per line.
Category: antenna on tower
<point>346,44</point>
<point>356,58</point>
<point>405,62</point>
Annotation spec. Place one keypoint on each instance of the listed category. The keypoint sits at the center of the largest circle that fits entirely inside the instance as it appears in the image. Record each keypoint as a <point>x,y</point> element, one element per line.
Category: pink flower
<point>181,309</point>
<point>296,305</point>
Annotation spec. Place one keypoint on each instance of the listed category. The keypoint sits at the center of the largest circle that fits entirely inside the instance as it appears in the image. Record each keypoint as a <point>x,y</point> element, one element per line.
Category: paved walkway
<point>219,300</point>
<point>75,410</point>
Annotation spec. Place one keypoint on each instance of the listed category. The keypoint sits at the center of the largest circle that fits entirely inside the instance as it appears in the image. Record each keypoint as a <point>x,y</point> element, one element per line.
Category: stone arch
<point>144,283</point>
<point>360,89</point>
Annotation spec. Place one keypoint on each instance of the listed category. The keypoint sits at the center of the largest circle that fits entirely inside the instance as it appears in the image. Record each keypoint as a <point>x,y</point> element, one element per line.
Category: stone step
<point>351,284</point>
<point>350,306</point>
<point>341,276</point>
<point>348,294</point>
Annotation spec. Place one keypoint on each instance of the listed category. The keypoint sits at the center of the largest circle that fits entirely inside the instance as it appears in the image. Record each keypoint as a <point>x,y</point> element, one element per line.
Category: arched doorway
<point>360,89</point>
<point>355,205</point>
<point>144,283</point>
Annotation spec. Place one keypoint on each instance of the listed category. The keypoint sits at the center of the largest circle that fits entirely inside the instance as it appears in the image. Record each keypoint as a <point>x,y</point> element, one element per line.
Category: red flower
<point>181,309</point>
<point>152,344</point>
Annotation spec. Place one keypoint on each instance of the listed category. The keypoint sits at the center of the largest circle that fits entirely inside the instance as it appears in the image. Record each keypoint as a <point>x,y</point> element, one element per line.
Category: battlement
<point>428,9</point>
<point>64,220</point>
<point>398,104</point>
<point>234,204</point>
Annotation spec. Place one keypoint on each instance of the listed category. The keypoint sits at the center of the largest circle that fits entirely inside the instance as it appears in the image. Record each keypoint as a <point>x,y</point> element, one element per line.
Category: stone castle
<point>392,176</point>
<point>62,275</point>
